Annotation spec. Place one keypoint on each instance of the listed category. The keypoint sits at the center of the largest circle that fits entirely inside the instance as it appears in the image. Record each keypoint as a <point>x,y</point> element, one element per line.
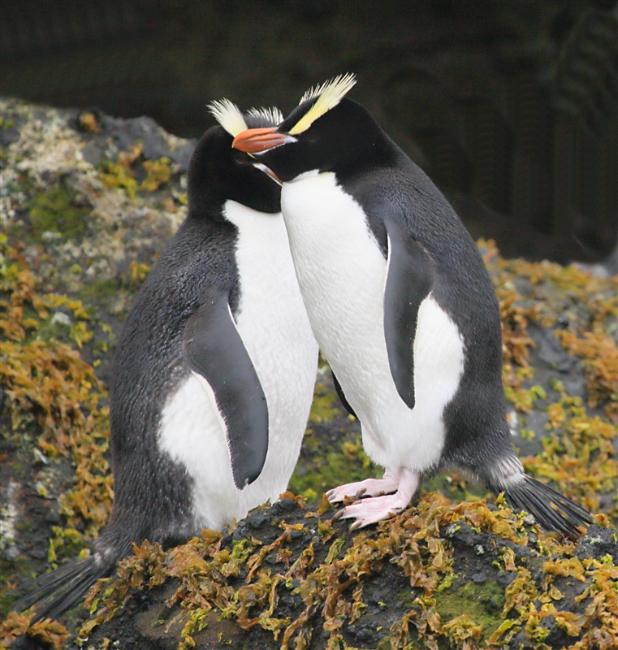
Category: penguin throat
<point>308,174</point>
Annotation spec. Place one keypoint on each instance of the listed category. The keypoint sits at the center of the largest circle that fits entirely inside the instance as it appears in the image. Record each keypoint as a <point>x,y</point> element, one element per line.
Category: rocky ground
<point>86,201</point>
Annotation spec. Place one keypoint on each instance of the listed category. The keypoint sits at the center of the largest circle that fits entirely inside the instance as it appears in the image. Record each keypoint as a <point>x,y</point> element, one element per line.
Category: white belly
<point>274,327</point>
<point>342,274</point>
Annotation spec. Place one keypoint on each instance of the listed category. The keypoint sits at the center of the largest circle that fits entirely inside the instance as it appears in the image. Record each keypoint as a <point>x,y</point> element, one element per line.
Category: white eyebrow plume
<point>271,114</point>
<point>328,95</point>
<point>228,115</point>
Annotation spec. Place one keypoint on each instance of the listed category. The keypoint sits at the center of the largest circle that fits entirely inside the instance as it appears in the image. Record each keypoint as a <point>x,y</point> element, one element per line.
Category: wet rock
<point>599,541</point>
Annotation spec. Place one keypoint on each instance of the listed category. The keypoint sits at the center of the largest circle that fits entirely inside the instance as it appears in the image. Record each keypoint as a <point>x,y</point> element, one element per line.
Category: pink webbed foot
<point>370,487</point>
<point>369,511</point>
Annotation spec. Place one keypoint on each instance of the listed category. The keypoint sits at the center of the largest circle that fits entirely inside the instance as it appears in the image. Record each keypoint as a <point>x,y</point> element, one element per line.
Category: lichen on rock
<point>86,202</point>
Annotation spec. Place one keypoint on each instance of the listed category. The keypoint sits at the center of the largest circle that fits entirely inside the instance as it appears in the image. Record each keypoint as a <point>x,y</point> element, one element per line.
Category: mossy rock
<point>57,210</point>
<point>454,571</point>
<point>480,599</point>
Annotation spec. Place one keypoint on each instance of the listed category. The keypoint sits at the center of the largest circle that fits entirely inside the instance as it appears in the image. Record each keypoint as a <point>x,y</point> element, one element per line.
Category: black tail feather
<point>542,511</point>
<point>552,510</point>
<point>61,574</point>
<point>62,589</point>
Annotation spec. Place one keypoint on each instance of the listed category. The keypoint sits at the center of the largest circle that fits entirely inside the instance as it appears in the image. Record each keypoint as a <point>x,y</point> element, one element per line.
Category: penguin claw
<point>364,516</point>
<point>337,495</point>
<point>369,487</point>
<point>372,510</point>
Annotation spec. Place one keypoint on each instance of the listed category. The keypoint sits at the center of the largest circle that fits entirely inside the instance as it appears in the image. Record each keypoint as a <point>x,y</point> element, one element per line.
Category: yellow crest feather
<point>228,115</point>
<point>328,94</point>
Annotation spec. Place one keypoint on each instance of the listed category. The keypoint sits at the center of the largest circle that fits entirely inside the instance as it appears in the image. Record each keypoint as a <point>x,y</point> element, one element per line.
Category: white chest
<point>342,273</point>
<point>273,324</point>
<point>340,269</point>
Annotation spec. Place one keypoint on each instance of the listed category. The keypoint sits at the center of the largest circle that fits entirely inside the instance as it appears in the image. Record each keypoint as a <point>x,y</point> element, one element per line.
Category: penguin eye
<point>240,158</point>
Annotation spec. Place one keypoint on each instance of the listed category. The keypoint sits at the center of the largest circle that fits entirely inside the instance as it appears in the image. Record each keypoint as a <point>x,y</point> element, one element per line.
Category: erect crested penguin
<point>214,369</point>
<point>402,307</point>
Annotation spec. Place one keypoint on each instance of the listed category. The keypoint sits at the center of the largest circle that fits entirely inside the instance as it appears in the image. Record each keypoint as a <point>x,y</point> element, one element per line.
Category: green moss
<point>325,405</point>
<point>52,331</point>
<point>56,210</point>
<point>407,598</point>
<point>99,290</point>
<point>66,542</point>
<point>330,465</point>
<point>9,570</point>
<point>481,602</point>
<point>454,486</point>
<point>242,549</point>
<point>527,434</point>
<point>6,600</point>
<point>114,293</point>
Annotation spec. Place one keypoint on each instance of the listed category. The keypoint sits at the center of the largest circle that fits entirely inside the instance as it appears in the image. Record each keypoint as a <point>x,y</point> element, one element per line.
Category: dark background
<point>510,105</point>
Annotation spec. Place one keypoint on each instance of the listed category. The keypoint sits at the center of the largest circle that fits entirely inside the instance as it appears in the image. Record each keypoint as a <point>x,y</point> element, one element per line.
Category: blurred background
<point>511,106</point>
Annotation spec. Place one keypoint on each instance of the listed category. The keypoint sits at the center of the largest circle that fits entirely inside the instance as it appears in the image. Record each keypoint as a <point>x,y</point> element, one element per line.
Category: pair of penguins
<point>216,364</point>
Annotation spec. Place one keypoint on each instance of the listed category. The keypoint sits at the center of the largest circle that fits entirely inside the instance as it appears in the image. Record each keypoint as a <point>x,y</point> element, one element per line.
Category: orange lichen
<point>52,387</point>
<point>88,122</point>
<point>579,455</point>
<point>515,340</point>
<point>599,353</point>
<point>48,631</point>
<point>122,172</point>
<point>411,541</point>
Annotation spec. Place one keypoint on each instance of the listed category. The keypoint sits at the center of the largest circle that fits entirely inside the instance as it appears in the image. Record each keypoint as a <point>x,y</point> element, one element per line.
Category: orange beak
<point>259,140</point>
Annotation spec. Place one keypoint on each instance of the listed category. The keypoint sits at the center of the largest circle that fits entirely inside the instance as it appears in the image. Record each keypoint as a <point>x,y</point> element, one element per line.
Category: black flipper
<point>408,281</point>
<point>214,349</point>
<point>341,395</point>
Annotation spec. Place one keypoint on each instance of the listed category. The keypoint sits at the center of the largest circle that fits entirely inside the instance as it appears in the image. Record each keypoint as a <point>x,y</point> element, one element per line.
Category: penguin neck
<point>229,211</point>
<point>249,187</point>
<point>205,204</point>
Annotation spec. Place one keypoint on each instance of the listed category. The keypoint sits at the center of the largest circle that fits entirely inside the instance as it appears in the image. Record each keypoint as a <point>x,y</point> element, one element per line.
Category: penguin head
<point>325,132</point>
<point>218,173</point>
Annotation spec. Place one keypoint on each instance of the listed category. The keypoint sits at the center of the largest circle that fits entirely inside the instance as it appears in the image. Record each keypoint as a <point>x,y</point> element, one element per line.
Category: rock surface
<point>86,201</point>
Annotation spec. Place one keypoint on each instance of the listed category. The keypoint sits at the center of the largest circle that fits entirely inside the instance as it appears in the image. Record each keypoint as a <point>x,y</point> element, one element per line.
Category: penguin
<point>214,369</point>
<point>401,305</point>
